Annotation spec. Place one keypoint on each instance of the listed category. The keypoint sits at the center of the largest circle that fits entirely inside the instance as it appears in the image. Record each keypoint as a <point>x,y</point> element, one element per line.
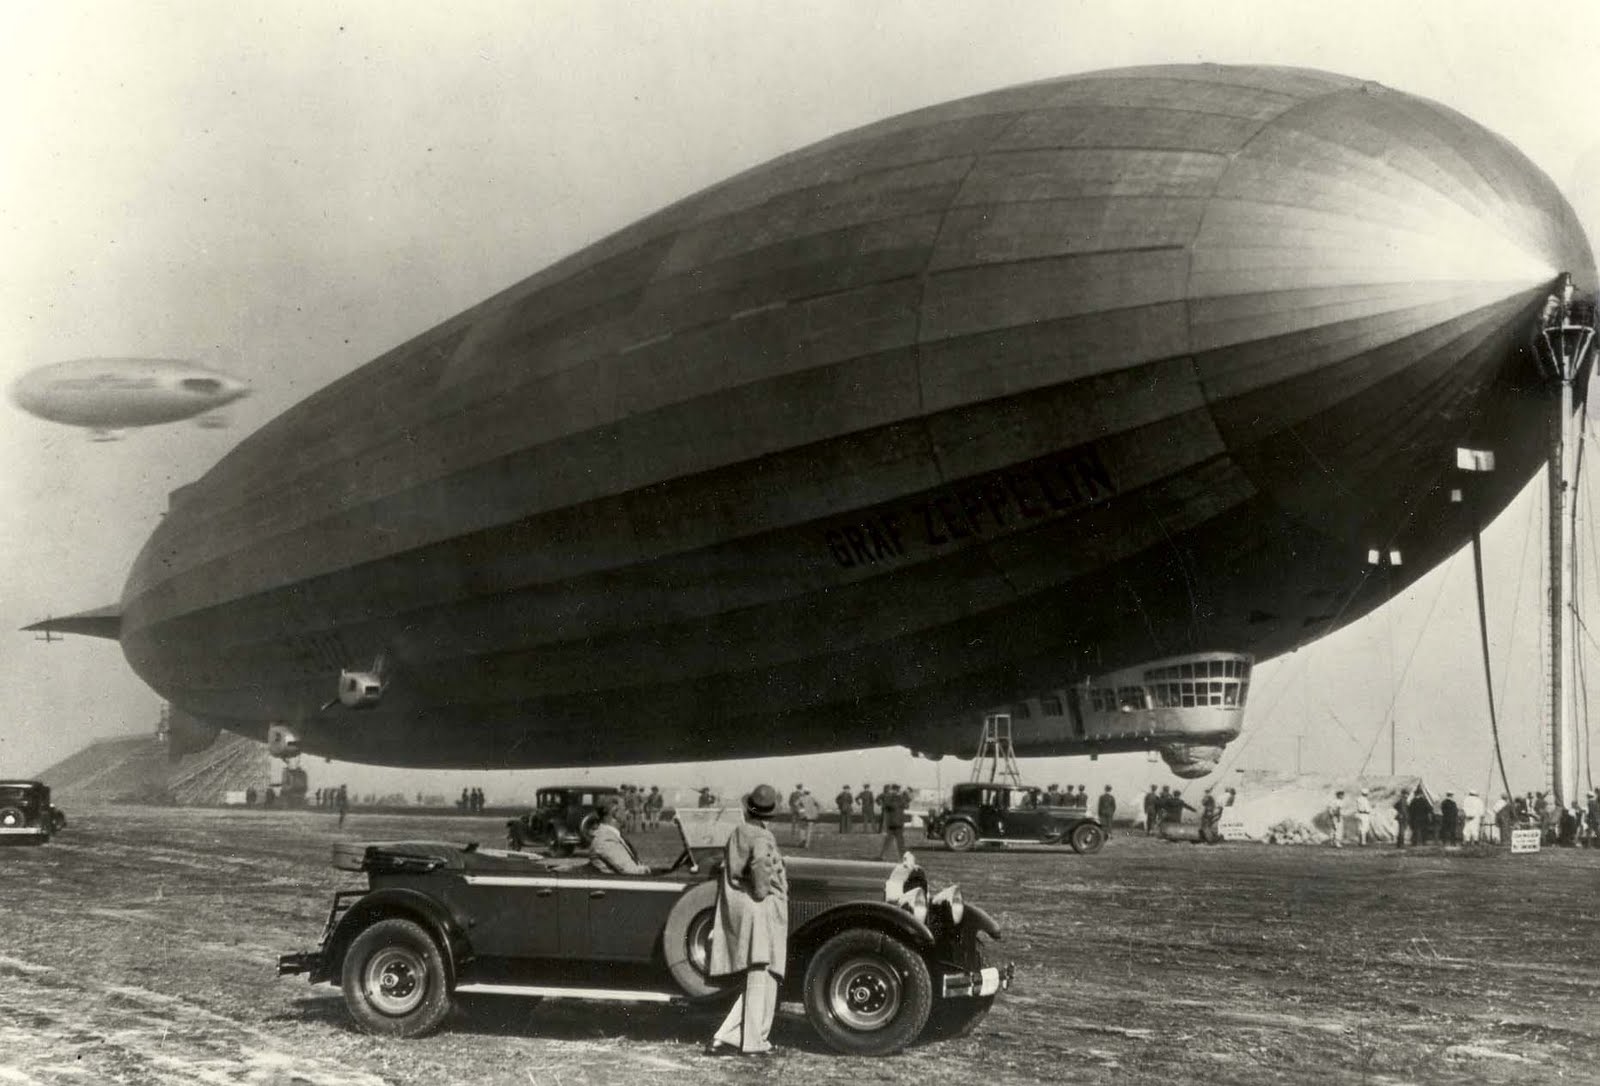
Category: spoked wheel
<point>867,993</point>
<point>960,837</point>
<point>394,980</point>
<point>1087,837</point>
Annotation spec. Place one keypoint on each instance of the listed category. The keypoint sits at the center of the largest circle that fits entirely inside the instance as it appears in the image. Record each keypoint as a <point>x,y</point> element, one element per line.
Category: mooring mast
<point>1562,340</point>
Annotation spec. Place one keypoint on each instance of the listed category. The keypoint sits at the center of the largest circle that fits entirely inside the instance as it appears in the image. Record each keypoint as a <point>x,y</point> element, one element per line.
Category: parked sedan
<point>439,920</point>
<point>26,814</point>
<point>1000,814</point>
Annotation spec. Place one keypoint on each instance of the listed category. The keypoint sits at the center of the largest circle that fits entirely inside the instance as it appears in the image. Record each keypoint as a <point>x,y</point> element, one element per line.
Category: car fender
<point>980,920</point>
<point>877,915</point>
<point>394,901</point>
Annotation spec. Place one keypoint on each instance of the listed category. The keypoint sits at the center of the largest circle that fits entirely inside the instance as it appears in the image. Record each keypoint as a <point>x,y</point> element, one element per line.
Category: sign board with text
<point>1524,841</point>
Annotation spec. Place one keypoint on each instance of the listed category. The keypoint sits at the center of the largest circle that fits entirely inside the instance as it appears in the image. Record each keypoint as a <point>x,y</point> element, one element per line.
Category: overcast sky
<point>284,190</point>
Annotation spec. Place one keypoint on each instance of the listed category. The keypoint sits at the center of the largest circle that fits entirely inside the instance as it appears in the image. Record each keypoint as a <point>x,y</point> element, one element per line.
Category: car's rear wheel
<point>394,980</point>
<point>1087,837</point>
<point>867,993</point>
<point>58,821</point>
<point>954,1018</point>
<point>12,817</point>
<point>960,837</point>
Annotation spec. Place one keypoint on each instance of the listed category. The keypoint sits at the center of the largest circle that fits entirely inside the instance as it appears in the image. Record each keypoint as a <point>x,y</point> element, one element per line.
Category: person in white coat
<point>1363,819</point>
<point>1471,816</point>
<point>750,934</point>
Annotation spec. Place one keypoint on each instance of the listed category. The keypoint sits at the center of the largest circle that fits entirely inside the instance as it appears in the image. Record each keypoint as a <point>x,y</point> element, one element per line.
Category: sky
<point>284,190</point>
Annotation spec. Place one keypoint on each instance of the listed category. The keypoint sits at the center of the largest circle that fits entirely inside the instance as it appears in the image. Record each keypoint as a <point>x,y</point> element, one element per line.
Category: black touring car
<point>877,962</point>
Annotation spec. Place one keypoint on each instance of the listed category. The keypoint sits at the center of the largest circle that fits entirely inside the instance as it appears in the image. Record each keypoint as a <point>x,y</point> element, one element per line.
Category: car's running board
<point>614,995</point>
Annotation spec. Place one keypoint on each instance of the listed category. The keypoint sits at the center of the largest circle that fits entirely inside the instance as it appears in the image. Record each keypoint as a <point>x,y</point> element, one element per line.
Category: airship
<point>108,395</point>
<point>1076,399</point>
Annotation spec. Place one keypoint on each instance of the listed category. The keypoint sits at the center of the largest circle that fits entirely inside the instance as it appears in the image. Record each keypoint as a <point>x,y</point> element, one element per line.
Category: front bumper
<point>978,983</point>
<point>23,834</point>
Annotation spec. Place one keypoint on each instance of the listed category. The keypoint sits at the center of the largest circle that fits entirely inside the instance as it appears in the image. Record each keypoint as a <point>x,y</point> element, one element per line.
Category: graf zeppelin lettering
<point>983,506</point>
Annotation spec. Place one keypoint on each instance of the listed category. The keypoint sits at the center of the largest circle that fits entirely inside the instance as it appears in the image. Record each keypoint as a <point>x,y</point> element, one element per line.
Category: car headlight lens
<point>916,903</point>
<point>950,897</point>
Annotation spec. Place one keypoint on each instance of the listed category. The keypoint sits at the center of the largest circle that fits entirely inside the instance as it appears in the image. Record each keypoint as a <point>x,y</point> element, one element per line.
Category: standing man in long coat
<point>846,802</point>
<point>869,818</point>
<point>750,934</point>
<point>1106,809</point>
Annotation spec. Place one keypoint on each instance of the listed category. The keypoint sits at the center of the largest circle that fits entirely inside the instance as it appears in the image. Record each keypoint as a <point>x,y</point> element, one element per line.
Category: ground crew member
<point>869,818</point>
<point>794,813</point>
<point>1210,819</point>
<point>1402,815</point>
<point>1449,827</point>
<point>1471,817</point>
<point>654,804</point>
<point>893,813</point>
<point>1152,806</point>
<point>1106,808</point>
<point>846,802</point>
<point>750,933</point>
<point>1421,812</point>
<point>1336,817</point>
<point>808,812</point>
<point>1363,818</point>
<point>343,803</point>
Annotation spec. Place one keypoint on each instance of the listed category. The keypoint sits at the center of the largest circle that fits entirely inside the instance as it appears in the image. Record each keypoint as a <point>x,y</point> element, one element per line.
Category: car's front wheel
<point>1087,837</point>
<point>867,993</point>
<point>12,817</point>
<point>394,980</point>
<point>960,836</point>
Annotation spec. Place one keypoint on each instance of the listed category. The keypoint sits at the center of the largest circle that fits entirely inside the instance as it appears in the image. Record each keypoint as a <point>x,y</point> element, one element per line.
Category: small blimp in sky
<point>112,394</point>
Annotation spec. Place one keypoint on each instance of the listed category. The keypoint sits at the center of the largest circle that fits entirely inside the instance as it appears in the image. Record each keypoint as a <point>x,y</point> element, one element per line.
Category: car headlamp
<point>915,902</point>
<point>950,897</point>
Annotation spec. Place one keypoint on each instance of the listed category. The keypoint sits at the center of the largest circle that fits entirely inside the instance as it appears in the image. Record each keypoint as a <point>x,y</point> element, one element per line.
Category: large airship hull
<point>937,415</point>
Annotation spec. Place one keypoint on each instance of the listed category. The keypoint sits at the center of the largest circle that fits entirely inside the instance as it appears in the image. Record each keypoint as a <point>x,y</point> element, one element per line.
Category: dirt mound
<point>137,769</point>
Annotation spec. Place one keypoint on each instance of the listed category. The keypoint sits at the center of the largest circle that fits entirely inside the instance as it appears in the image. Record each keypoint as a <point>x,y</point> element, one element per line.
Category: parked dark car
<point>562,820</point>
<point>998,814</point>
<point>439,921</point>
<point>26,815</point>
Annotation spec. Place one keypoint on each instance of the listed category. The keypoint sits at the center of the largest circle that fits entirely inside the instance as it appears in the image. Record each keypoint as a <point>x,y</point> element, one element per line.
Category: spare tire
<point>686,946</point>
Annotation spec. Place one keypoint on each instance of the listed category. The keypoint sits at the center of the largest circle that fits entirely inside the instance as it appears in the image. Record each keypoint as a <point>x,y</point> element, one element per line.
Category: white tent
<point>1290,809</point>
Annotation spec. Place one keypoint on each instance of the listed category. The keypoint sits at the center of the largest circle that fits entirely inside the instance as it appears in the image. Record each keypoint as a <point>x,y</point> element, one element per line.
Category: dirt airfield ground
<point>139,948</point>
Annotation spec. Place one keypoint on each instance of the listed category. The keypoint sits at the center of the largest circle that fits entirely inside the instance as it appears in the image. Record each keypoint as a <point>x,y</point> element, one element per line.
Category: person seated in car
<point>609,851</point>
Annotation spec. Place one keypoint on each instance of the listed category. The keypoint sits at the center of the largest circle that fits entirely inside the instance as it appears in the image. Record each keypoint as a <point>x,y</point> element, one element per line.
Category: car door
<point>625,914</point>
<point>1026,817</point>
<point>522,916</point>
<point>991,813</point>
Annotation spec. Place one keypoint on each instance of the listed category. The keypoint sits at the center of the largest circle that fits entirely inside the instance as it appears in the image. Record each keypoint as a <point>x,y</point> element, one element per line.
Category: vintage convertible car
<point>999,814</point>
<point>877,962</point>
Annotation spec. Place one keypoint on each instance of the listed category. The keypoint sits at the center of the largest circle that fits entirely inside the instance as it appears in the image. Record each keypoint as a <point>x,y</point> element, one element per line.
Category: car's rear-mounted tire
<point>867,993</point>
<point>686,946</point>
<point>394,980</point>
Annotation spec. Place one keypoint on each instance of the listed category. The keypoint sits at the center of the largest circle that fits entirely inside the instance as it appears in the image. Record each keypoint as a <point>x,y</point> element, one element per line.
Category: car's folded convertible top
<point>443,855</point>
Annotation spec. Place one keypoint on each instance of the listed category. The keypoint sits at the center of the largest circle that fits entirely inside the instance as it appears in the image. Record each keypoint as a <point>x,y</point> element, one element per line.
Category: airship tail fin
<point>101,622</point>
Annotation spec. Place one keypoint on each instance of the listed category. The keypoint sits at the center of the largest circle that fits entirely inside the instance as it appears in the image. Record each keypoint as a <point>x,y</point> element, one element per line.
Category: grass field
<point>139,948</point>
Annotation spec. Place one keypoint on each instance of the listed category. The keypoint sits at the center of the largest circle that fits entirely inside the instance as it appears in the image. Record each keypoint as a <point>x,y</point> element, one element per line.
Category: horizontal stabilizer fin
<point>101,622</point>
